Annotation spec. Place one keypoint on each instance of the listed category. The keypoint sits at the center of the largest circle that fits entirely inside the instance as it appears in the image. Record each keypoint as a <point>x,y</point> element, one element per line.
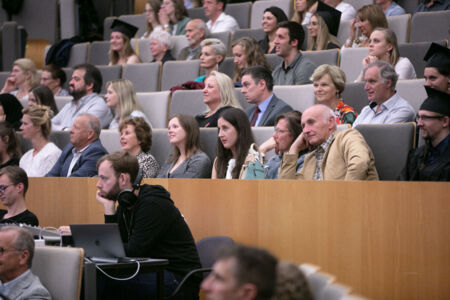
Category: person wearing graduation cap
<point>323,27</point>
<point>120,50</point>
<point>431,162</point>
<point>437,69</point>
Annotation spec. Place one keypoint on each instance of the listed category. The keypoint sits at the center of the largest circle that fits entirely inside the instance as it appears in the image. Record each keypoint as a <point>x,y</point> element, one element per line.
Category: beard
<point>77,93</point>
<point>112,194</point>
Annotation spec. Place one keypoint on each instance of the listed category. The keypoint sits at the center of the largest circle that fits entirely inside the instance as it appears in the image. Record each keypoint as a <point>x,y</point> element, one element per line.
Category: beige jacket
<point>348,157</point>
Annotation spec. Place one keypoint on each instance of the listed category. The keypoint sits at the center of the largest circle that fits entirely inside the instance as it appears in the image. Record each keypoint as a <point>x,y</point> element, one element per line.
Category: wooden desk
<point>387,240</point>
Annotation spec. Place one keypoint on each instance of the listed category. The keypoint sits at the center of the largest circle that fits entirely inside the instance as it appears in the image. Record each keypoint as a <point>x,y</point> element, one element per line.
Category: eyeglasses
<point>3,250</point>
<point>426,118</point>
<point>4,187</point>
<point>279,131</point>
<point>312,24</point>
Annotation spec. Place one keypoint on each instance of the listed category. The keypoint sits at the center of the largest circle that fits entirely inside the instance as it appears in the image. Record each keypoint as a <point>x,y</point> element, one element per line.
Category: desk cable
<point>117,278</point>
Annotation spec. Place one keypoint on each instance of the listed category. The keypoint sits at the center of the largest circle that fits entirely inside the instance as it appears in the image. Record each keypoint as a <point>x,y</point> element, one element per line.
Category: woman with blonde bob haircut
<point>329,83</point>
<point>187,159</point>
<point>36,126</point>
<point>218,95</point>
<point>247,53</point>
<point>319,37</point>
<point>121,98</point>
<point>23,78</point>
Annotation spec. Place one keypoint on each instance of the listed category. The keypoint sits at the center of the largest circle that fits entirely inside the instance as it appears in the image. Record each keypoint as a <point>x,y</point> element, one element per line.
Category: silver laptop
<point>101,242</point>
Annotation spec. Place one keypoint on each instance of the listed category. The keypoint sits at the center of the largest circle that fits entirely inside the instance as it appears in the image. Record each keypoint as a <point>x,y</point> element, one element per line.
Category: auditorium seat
<point>145,77</point>
<point>177,72</point>
<point>318,281</point>
<point>142,49</point>
<point>208,140</point>
<point>344,31</point>
<point>98,53</point>
<point>110,139</point>
<point>321,57</point>
<point>273,60</point>
<point>161,147</point>
<point>109,73</point>
<point>78,54</point>
<point>256,33</point>
<point>355,96</point>
<point>241,98</point>
<point>415,52</point>
<point>227,66</point>
<point>333,291</point>
<point>107,27</point>
<point>188,102</point>
<point>179,42</point>
<point>389,164</point>
<point>357,4</point>
<point>197,13</point>
<point>300,97</point>
<point>138,20</point>
<point>69,72</point>
<point>413,91</point>
<point>61,101</point>
<point>259,7</point>
<point>400,25</point>
<point>224,36</point>
<point>156,107</point>
<point>240,12</point>
<point>430,26</point>
<point>262,134</point>
<point>351,62</point>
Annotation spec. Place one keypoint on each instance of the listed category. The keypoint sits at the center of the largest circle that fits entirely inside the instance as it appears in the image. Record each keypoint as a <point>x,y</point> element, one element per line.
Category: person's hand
<point>163,17</point>
<point>109,205</point>
<point>368,60</point>
<point>65,230</point>
<point>352,30</point>
<point>298,145</point>
<point>10,85</point>
<point>313,7</point>
<point>267,145</point>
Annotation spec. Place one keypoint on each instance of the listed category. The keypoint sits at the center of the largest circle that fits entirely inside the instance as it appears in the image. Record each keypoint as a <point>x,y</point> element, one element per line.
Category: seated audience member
<point>234,140</point>
<point>242,272</point>
<point>433,5</point>
<point>151,226</point>
<point>386,105</point>
<point>218,95</point>
<point>85,85</point>
<point>79,157</point>
<point>54,78</point>
<point>303,11</point>
<point>218,21</point>
<point>13,187</point>
<point>431,162</point>
<point>23,78</point>
<point>319,38</point>
<point>173,16</point>
<point>10,150</point>
<point>294,69</point>
<point>291,283</point>
<point>329,83</point>
<point>437,69</point>
<point>120,50</point>
<point>121,98</point>
<point>152,8</point>
<point>10,110</point>
<point>247,53</point>
<point>42,95</point>
<point>288,127</point>
<point>136,138</point>
<point>17,280</point>
<point>212,54</point>
<point>367,19</point>
<point>257,87</point>
<point>390,7</point>
<point>383,46</point>
<point>338,155</point>
<point>187,159</point>
<point>347,10</point>
<point>160,45</point>
<point>36,126</point>
<point>272,16</point>
<point>195,34</point>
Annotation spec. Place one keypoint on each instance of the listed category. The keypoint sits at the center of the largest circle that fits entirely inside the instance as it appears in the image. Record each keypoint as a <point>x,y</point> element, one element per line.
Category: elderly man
<point>13,187</point>
<point>218,20</point>
<point>16,256</point>
<point>241,273</point>
<point>257,86</point>
<point>294,69</point>
<point>342,155</point>
<point>79,157</point>
<point>431,162</point>
<point>195,34</point>
<point>386,105</point>
<point>347,10</point>
<point>85,85</point>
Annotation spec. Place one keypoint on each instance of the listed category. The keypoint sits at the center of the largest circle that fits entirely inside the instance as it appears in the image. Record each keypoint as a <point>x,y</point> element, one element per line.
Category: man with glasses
<point>431,162</point>
<point>13,187</point>
<point>16,255</point>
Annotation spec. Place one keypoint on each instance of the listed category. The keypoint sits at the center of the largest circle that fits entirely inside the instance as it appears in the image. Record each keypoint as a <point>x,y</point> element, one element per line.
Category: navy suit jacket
<point>86,166</point>
<point>276,107</point>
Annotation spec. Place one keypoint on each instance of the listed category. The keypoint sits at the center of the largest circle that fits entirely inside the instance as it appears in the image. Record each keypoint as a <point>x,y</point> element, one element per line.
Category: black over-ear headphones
<point>127,198</point>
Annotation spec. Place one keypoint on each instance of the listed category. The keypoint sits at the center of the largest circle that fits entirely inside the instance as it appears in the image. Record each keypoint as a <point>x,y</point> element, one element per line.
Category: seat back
<point>197,13</point>
<point>145,76</point>
<point>389,164</point>
<point>344,31</point>
<point>110,139</point>
<point>256,33</point>
<point>109,73</point>
<point>178,72</point>
<point>262,134</point>
<point>273,60</point>
<point>224,36</point>
<point>400,25</point>
<point>161,147</point>
<point>188,102</point>
<point>430,26</point>
<point>321,57</point>
<point>413,91</point>
<point>333,291</point>
<point>156,107</point>
<point>317,281</point>
<point>357,4</point>
<point>415,52</point>
<point>351,62</point>
<point>98,53</point>
<point>107,22</point>
<point>60,270</point>
<point>227,66</point>
<point>299,97</point>
<point>78,54</point>
<point>259,7</point>
<point>207,248</point>
<point>179,42</point>
<point>240,12</point>
<point>208,140</point>
<point>143,50</point>
<point>138,20</point>
<point>61,101</point>
<point>355,96</point>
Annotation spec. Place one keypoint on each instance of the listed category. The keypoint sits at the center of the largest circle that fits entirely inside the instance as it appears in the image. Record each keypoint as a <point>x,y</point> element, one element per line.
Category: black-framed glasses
<point>4,187</point>
<point>3,250</point>
<point>426,118</point>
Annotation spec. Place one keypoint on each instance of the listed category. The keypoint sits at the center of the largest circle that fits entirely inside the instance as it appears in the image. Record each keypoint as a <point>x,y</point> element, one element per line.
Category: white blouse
<point>42,162</point>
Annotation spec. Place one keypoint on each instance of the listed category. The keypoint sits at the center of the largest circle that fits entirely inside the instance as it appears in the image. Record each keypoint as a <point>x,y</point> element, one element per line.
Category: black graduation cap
<point>437,101</point>
<point>124,27</point>
<point>437,56</point>
<point>330,15</point>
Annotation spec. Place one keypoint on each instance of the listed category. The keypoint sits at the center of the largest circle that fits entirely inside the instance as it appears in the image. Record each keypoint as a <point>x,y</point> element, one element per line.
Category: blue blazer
<point>276,107</point>
<point>85,166</point>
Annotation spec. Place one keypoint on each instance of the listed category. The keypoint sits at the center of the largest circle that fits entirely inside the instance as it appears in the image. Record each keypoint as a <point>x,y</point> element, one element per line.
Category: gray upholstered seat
<point>262,134</point>
<point>256,33</point>
<point>138,20</point>
<point>188,102</point>
<point>273,60</point>
<point>208,140</point>
<point>357,4</point>
<point>259,7</point>
<point>78,54</point>
<point>240,12</point>
<point>178,72</point>
<point>197,13</point>
<point>355,96</point>
<point>227,66</point>
<point>344,31</point>
<point>142,49</point>
<point>318,281</point>
<point>413,91</point>
<point>330,56</point>
<point>415,52</point>
<point>351,62</point>
<point>224,36</point>
<point>300,97</point>
<point>161,147</point>
<point>179,42</point>
<point>110,139</point>
<point>155,106</point>
<point>69,72</point>
<point>333,291</point>
<point>107,27</point>
<point>430,26</point>
<point>145,77</point>
<point>61,101</point>
<point>98,53</point>
<point>109,73</point>
<point>400,25</point>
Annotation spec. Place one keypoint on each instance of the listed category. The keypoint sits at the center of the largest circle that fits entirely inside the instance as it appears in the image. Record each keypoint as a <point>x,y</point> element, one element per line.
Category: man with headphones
<point>150,226</point>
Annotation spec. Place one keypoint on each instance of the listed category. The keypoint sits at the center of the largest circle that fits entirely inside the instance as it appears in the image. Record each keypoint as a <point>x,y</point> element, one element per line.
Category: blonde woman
<point>120,50</point>
<point>218,95</point>
<point>36,127</point>
<point>303,11</point>
<point>23,78</point>
<point>122,100</point>
<point>319,37</point>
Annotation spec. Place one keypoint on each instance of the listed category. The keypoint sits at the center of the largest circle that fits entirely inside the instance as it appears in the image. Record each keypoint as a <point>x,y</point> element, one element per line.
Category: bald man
<point>342,155</point>
<point>196,32</point>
